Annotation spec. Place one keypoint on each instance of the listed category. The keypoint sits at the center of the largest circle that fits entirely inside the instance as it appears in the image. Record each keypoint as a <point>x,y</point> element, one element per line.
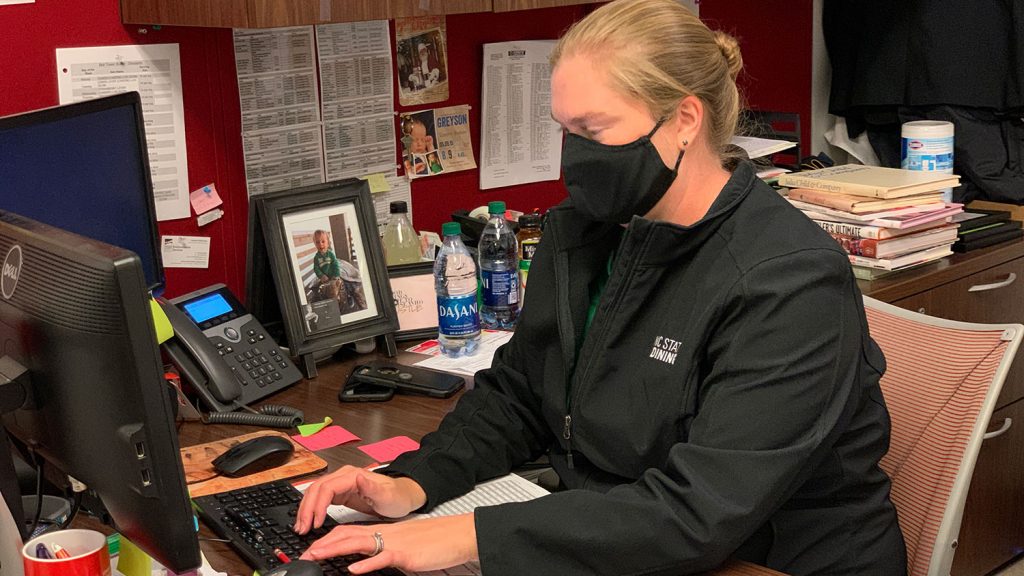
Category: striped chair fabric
<point>937,379</point>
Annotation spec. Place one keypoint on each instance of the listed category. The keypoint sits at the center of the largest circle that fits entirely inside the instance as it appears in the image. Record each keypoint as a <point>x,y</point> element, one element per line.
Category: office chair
<point>941,384</point>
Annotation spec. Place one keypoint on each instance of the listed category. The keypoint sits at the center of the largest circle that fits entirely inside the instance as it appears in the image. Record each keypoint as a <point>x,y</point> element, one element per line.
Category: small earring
<point>686,143</point>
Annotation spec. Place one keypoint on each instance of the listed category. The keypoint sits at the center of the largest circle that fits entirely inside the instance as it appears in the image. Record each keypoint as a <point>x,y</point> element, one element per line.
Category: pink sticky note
<point>205,199</point>
<point>329,437</point>
<point>388,450</point>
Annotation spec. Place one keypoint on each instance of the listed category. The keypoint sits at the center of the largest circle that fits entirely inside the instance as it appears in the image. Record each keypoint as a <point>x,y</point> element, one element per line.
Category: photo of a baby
<point>418,141</point>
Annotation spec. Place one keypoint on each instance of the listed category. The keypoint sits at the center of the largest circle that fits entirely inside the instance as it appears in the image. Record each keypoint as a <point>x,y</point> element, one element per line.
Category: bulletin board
<point>32,32</point>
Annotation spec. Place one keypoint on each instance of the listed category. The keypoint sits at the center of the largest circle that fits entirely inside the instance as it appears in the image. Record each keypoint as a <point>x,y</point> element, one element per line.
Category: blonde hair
<point>318,234</point>
<point>659,52</point>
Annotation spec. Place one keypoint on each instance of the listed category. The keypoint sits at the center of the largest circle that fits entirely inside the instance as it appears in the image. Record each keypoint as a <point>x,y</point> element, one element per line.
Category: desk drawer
<point>995,295</point>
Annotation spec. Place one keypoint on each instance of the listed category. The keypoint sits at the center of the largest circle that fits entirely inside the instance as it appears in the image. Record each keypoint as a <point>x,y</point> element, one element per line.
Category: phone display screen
<point>207,307</point>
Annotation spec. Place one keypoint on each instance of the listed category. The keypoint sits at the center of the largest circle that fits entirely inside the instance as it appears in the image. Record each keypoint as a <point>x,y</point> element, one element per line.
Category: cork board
<point>197,463</point>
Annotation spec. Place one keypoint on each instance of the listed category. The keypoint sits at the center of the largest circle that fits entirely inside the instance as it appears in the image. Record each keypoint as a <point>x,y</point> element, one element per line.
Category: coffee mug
<point>86,554</point>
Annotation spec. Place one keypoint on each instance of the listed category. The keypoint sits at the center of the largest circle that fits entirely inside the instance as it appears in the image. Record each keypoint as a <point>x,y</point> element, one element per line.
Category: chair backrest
<point>941,384</point>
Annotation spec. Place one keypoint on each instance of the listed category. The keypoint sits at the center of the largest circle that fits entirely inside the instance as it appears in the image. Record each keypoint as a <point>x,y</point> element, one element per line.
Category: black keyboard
<point>259,519</point>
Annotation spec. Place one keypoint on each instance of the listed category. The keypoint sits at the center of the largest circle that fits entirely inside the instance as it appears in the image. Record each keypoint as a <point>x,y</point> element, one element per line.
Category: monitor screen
<point>75,319</point>
<point>84,168</point>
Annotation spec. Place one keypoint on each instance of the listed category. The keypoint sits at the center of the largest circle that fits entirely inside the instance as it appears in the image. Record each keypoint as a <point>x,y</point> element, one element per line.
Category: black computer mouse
<point>252,456</point>
<point>296,568</point>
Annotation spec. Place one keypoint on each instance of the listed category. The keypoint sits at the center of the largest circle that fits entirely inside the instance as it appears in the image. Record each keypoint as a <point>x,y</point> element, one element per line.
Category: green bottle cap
<point>496,207</point>
<point>451,229</point>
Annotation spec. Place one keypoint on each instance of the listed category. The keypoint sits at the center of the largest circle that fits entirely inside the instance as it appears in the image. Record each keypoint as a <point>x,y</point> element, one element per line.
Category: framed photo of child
<point>328,265</point>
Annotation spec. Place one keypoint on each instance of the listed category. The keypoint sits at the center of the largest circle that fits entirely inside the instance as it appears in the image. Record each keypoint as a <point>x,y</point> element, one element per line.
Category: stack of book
<point>981,228</point>
<point>885,218</point>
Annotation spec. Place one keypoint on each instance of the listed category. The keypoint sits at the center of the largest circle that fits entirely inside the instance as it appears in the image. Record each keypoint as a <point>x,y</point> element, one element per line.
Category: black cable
<point>76,505</point>
<point>268,415</point>
<point>39,493</point>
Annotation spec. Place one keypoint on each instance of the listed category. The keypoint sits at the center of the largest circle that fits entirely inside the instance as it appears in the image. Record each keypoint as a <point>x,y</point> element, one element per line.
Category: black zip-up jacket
<point>724,404</point>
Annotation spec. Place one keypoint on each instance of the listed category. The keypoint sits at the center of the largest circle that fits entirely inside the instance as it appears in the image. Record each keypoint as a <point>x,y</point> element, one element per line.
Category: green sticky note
<point>378,183</point>
<point>310,429</point>
<point>160,321</point>
<point>132,561</point>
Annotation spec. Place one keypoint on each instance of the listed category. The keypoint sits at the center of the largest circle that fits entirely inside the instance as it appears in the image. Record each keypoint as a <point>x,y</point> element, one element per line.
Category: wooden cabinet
<point>993,527</point>
<point>407,8</point>
<point>273,13</point>
<point>983,286</point>
<point>510,5</point>
<point>251,13</point>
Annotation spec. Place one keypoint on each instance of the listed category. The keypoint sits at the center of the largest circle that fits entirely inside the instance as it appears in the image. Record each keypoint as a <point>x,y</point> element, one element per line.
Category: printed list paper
<point>277,93</point>
<point>520,143</point>
<point>154,70</point>
<point>356,92</point>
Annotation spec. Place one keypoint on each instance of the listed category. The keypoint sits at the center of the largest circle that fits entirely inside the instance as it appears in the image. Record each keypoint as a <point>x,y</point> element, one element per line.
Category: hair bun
<point>731,50</point>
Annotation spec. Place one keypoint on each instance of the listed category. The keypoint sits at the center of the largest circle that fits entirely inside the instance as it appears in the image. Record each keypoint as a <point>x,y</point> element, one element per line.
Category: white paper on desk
<point>277,91</point>
<point>357,98</point>
<point>520,142</point>
<point>490,341</point>
<point>154,70</point>
<point>758,147</point>
<point>185,251</point>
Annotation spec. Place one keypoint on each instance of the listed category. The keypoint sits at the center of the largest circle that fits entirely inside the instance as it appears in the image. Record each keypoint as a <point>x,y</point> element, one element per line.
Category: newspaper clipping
<point>436,141</point>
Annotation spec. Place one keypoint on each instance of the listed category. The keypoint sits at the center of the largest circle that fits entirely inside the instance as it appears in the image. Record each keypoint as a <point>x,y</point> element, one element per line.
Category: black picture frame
<point>415,300</point>
<point>326,302</point>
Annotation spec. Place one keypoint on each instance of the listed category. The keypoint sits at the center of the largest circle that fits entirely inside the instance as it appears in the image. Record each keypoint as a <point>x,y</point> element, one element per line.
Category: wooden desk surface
<point>404,415</point>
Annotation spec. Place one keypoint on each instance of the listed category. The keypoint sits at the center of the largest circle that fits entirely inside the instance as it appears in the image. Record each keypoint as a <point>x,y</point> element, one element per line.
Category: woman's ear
<point>689,120</point>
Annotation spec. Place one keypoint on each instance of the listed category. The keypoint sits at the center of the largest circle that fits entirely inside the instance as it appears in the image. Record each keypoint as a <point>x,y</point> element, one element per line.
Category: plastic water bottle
<point>499,271</point>
<point>458,319</point>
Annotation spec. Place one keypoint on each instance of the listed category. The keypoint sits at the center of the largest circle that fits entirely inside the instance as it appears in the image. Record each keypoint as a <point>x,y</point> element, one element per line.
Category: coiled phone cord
<point>269,415</point>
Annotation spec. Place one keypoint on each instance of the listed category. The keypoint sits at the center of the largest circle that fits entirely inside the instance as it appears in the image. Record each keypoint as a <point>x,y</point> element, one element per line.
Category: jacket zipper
<point>569,395</point>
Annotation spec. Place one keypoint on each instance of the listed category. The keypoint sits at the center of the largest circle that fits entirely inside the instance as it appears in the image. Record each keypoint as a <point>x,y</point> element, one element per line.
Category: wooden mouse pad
<point>198,459</point>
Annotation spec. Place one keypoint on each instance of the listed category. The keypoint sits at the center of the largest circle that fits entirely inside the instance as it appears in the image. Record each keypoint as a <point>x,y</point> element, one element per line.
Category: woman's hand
<point>414,545</point>
<point>361,490</point>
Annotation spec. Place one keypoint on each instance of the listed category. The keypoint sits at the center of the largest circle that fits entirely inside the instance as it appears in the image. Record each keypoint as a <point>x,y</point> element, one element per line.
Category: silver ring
<point>378,543</point>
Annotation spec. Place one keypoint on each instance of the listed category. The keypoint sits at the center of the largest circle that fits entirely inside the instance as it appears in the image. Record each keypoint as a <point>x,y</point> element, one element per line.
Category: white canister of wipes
<point>928,145</point>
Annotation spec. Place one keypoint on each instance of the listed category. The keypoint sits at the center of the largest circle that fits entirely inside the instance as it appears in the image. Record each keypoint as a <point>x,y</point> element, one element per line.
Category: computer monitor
<point>84,168</point>
<point>75,316</point>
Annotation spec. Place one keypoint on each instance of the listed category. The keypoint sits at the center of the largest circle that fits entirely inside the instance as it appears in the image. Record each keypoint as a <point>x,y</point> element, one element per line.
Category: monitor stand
<point>14,393</point>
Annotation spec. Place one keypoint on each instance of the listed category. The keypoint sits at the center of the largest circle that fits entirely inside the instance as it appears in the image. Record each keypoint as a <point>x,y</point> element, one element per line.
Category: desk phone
<point>223,351</point>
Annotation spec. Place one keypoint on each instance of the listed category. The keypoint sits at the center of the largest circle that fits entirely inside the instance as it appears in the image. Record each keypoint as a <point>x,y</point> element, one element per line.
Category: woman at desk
<point>693,356</point>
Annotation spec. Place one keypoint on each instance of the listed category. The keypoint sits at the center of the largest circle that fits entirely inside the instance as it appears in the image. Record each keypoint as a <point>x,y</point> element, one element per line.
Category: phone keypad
<point>257,363</point>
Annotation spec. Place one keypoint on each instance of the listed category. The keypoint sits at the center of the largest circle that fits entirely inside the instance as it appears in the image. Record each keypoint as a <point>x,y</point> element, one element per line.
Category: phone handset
<point>200,363</point>
<point>217,384</point>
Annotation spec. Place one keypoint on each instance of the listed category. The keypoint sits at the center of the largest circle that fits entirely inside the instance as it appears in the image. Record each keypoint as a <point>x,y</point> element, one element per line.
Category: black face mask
<point>611,183</point>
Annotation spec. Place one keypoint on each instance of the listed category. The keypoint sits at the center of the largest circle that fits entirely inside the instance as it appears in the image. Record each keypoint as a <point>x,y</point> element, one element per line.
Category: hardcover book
<point>861,204</point>
<point>874,232</point>
<point>871,181</point>
<point>898,245</point>
<point>903,261</point>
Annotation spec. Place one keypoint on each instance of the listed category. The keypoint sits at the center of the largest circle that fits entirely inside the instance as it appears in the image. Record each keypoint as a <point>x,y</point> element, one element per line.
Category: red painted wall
<point>775,37</point>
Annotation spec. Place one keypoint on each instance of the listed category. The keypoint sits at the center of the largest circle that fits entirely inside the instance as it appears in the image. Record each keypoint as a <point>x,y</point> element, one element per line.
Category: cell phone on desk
<point>408,378</point>
<point>359,391</point>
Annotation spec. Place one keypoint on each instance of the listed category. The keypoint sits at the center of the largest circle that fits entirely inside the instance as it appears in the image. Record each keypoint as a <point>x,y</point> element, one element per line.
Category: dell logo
<point>11,271</point>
